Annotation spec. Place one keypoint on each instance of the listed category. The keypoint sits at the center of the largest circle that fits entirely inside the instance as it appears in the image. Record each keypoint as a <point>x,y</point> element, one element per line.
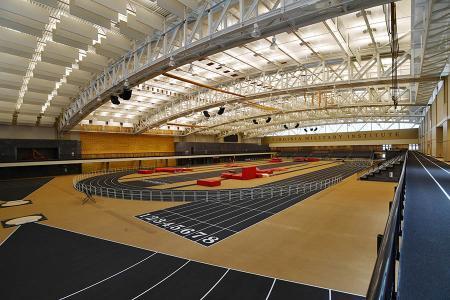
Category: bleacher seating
<point>387,171</point>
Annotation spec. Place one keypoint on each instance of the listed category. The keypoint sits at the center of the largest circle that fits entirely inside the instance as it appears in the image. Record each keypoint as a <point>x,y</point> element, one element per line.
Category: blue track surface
<point>425,252</point>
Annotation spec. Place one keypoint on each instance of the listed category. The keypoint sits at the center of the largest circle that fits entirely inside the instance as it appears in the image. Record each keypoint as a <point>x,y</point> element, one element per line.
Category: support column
<point>446,140</point>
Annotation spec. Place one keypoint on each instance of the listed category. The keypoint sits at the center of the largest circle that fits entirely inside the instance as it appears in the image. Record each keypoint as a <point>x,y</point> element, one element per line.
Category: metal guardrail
<point>198,195</point>
<point>383,281</point>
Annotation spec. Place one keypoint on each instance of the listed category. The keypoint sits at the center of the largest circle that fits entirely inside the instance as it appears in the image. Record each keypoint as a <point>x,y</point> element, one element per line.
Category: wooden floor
<point>328,240</point>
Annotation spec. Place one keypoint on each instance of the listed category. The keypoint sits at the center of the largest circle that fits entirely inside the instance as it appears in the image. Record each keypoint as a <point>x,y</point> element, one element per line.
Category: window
<point>413,147</point>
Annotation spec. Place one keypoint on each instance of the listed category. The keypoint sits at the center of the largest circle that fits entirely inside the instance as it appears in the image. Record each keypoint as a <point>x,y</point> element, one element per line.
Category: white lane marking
<point>9,235</point>
<point>215,284</point>
<point>173,255</point>
<point>271,288</point>
<point>156,284</point>
<point>442,189</point>
<point>109,277</point>
<point>329,294</point>
<point>448,172</point>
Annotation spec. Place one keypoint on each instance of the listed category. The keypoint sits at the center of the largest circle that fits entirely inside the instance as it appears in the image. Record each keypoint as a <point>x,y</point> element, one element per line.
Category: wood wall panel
<point>107,143</point>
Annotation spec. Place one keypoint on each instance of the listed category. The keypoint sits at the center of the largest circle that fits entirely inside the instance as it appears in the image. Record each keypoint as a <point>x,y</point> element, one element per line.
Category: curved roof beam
<point>186,41</point>
<point>190,105</point>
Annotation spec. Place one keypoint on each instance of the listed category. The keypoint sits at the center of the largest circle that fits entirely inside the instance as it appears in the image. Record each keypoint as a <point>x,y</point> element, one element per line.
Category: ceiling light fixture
<point>115,100</point>
<point>206,113</point>
<point>268,120</point>
<point>306,130</point>
<point>126,93</point>
<point>311,129</point>
<point>256,33</point>
<point>297,125</point>
<point>221,110</point>
<point>255,122</point>
<point>285,126</point>
<point>315,129</point>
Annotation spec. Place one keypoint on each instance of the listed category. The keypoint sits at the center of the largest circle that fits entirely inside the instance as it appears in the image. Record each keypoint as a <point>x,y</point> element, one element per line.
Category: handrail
<point>198,195</point>
<point>382,284</point>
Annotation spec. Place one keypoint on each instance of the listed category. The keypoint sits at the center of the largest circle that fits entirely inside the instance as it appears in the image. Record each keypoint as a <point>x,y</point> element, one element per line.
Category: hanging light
<point>311,129</point>
<point>256,33</point>
<point>268,120</point>
<point>255,122</point>
<point>315,129</point>
<point>285,126</point>
<point>273,44</point>
<point>221,110</point>
<point>115,100</point>
<point>206,113</point>
<point>296,125</point>
<point>306,130</point>
<point>126,93</point>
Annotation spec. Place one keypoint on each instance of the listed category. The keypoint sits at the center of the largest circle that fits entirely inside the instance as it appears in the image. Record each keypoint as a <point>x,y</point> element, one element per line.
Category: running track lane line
<point>422,155</point>
<point>155,285</point>
<point>107,278</point>
<point>442,189</point>
<point>271,288</point>
<point>209,291</point>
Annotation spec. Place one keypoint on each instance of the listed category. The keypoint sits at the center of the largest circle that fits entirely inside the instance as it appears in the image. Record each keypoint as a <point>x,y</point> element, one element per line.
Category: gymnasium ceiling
<point>331,72</point>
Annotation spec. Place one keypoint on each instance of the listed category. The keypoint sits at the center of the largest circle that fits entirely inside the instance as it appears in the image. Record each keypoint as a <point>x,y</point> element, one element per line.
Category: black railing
<point>384,276</point>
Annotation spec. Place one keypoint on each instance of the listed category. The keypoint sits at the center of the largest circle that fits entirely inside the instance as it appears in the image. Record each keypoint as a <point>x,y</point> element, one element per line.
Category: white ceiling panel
<point>11,81</point>
<point>13,64</point>
<point>93,63</point>
<point>60,101</point>
<point>149,18</point>
<point>59,54</point>
<point>173,6</point>
<point>23,16</point>
<point>24,119</point>
<point>41,85</point>
<point>68,90</point>
<point>9,95</point>
<point>34,98</point>
<point>89,16</point>
<point>119,6</point>
<point>5,117</point>
<point>78,77</point>
<point>17,43</point>
<point>47,71</point>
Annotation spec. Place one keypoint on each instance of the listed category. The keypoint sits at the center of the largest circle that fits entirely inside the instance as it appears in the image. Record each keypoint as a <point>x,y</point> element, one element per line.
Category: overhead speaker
<point>296,125</point>
<point>285,126</point>
<point>255,122</point>
<point>221,111</point>
<point>268,120</point>
<point>306,130</point>
<point>115,100</point>
<point>315,129</point>
<point>126,94</point>
<point>311,129</point>
<point>206,113</point>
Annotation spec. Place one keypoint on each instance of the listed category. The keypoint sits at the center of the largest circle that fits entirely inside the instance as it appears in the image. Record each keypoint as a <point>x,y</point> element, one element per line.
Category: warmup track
<point>208,222</point>
<point>52,263</point>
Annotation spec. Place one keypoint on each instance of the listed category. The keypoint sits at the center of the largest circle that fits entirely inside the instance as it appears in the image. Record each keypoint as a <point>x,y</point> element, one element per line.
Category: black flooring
<point>17,189</point>
<point>209,222</point>
<point>425,251</point>
<point>42,262</point>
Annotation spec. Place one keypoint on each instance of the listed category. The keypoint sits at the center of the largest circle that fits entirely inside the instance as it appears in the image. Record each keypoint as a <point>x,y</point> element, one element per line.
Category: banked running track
<point>425,250</point>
